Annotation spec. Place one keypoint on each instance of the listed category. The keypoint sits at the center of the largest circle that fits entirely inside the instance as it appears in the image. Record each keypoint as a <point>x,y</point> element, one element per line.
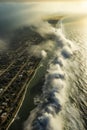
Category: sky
<point>42,0</point>
<point>72,7</point>
<point>18,13</point>
<point>77,6</point>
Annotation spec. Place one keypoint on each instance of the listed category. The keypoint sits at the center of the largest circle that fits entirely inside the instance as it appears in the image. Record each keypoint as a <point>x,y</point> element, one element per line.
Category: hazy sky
<point>41,0</point>
<point>77,6</point>
<point>67,7</point>
<point>17,14</point>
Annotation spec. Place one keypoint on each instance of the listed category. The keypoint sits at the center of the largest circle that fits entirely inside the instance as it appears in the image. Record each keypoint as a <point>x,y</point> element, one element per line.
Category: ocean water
<point>63,102</point>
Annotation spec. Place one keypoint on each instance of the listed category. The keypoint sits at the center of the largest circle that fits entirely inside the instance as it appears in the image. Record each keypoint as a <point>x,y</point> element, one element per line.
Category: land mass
<point>16,70</point>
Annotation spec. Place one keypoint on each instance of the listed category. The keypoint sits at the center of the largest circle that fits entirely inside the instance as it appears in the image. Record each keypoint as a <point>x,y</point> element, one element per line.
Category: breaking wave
<point>59,106</point>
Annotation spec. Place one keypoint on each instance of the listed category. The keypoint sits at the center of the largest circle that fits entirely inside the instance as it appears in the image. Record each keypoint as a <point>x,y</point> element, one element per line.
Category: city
<point>16,70</point>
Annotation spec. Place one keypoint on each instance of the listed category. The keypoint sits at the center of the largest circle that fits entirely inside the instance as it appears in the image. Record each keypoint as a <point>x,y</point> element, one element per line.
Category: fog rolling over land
<point>59,37</point>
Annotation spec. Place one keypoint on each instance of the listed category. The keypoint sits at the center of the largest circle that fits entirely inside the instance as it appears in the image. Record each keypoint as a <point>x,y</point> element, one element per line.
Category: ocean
<point>63,102</point>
